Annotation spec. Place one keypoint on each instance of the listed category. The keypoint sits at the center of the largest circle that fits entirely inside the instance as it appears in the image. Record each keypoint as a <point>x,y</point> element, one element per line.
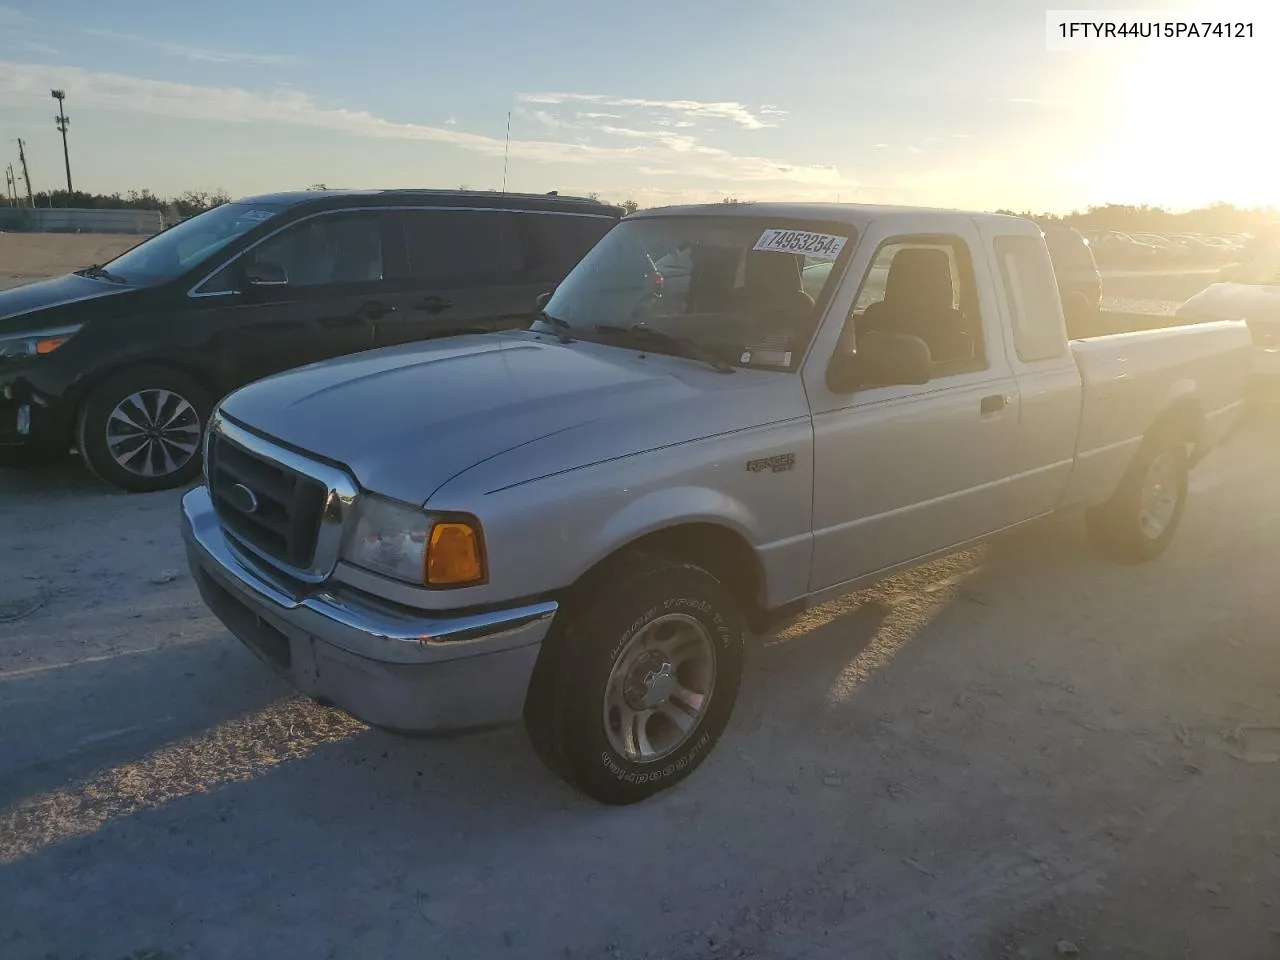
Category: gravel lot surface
<point>31,256</point>
<point>1011,748</point>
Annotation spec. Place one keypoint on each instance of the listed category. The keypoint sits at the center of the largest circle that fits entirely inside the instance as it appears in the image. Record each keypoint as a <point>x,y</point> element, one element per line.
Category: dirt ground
<point>1012,748</point>
<point>1023,751</point>
<point>29,256</point>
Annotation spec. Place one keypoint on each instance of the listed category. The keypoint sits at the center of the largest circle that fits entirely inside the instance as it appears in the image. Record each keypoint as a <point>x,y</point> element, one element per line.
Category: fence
<point>61,220</point>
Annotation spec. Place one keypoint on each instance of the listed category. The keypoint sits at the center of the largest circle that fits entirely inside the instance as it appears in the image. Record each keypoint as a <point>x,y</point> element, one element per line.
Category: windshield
<point>742,290</point>
<point>175,251</point>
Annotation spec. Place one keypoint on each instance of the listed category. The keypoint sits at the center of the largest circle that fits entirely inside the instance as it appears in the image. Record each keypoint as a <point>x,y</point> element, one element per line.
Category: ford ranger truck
<point>577,524</point>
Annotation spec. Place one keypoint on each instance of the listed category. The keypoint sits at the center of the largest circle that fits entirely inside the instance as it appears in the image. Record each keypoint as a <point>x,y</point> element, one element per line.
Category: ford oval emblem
<point>243,499</point>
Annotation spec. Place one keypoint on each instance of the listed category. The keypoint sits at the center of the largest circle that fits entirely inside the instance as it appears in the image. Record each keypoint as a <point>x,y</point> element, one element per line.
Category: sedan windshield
<point>175,251</point>
<point>744,291</point>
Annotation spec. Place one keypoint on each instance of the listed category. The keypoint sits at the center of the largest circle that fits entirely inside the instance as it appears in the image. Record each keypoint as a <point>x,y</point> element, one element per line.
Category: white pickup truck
<point>578,523</point>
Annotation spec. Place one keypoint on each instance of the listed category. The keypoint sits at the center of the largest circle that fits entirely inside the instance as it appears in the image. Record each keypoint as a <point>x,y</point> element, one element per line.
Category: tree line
<point>1215,218</point>
<point>186,204</point>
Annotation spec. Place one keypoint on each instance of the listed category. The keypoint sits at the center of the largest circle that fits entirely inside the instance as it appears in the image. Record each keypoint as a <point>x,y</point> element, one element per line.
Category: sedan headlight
<point>428,549</point>
<point>35,343</point>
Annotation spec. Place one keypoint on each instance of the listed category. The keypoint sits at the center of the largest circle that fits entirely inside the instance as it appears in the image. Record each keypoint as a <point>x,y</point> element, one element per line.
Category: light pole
<point>62,122</point>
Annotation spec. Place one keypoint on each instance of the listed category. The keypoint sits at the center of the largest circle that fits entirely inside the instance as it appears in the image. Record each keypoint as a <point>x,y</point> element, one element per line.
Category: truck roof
<point>855,214</point>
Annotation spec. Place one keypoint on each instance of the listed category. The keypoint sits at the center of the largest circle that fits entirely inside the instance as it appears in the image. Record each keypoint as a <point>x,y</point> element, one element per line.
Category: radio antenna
<point>506,152</point>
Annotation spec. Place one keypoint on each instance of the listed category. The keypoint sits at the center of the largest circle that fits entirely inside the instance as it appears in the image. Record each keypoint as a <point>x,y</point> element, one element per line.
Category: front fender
<point>663,509</point>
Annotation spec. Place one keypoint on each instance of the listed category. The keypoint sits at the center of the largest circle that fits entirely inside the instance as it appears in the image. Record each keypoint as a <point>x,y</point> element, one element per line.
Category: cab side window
<point>340,248</point>
<point>1031,290</point>
<point>464,246</point>
<point>329,249</point>
<point>924,287</point>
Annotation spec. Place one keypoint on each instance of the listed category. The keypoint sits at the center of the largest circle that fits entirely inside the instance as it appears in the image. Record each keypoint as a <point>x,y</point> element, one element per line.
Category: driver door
<point>902,472</point>
<point>309,292</point>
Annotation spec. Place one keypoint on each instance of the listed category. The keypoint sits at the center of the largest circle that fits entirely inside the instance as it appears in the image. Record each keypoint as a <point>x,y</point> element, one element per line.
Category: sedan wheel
<point>153,433</point>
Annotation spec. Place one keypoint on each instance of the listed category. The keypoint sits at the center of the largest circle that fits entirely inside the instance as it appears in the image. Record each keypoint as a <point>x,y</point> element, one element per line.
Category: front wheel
<point>140,429</point>
<point>1138,523</point>
<point>636,684</point>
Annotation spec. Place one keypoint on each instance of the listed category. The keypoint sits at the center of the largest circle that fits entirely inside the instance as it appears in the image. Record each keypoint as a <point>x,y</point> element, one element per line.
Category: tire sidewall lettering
<point>626,772</point>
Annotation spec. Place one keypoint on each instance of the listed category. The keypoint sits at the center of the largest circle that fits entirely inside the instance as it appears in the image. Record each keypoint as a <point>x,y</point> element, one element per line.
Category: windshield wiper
<point>99,272</point>
<point>683,345</point>
<point>561,326</point>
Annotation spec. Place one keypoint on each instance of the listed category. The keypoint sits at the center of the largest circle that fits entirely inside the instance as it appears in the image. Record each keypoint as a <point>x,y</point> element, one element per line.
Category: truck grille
<point>264,503</point>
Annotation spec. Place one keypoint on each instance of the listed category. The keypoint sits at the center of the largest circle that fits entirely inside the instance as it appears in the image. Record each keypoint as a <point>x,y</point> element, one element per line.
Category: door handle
<point>433,304</point>
<point>994,403</point>
<point>373,309</point>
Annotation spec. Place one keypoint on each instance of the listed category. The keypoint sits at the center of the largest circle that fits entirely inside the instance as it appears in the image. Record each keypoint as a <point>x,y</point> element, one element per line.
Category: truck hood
<point>19,306</point>
<point>405,420</point>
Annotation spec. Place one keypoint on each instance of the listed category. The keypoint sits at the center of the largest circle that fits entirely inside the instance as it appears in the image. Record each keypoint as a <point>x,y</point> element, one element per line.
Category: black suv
<point>124,361</point>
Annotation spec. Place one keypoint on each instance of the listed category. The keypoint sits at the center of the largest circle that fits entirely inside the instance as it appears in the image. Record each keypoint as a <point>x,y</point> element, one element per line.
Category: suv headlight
<point>413,545</point>
<point>35,343</point>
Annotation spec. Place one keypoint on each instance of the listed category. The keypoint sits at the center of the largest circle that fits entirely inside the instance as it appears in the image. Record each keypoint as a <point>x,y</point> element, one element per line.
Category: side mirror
<point>264,273</point>
<point>881,360</point>
<point>543,299</point>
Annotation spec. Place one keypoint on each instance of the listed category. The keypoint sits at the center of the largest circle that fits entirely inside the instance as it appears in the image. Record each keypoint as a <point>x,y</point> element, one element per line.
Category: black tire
<point>1118,527</point>
<point>185,400</point>
<point>601,625</point>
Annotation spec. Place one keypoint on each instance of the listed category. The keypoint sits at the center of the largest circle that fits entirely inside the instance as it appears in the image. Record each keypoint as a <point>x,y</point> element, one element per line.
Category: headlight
<point>409,544</point>
<point>35,343</point>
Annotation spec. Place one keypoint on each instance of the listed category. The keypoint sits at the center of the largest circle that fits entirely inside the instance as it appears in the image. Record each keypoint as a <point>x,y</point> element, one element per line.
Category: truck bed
<point>1130,379</point>
<point>1105,323</point>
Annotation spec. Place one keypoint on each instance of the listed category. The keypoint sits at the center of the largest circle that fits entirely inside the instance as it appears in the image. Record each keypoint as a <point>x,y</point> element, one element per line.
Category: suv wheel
<point>140,429</point>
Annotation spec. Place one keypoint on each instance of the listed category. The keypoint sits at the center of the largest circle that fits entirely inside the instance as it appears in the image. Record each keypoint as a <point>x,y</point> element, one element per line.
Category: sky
<point>928,102</point>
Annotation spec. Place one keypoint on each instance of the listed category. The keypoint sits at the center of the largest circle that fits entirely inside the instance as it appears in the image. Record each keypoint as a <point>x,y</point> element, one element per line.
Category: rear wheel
<point>140,429</point>
<point>636,683</point>
<point>1140,520</point>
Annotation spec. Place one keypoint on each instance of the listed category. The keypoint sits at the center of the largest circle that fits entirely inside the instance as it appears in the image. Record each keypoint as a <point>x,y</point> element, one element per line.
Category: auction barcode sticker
<point>818,246</point>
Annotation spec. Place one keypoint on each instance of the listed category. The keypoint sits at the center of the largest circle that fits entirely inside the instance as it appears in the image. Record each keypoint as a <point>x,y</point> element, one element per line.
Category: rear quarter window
<point>1031,290</point>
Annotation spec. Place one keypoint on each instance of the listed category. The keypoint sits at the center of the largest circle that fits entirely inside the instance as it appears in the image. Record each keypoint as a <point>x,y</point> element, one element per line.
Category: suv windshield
<point>175,251</point>
<point>743,290</point>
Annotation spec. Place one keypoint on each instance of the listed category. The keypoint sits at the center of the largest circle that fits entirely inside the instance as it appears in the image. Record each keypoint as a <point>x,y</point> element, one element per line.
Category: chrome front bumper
<point>387,665</point>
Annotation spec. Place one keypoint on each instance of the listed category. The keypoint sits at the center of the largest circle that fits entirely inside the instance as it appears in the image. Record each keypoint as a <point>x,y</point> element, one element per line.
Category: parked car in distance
<point>1117,249</point>
<point>124,361</point>
<point>577,523</point>
<point>1250,291</point>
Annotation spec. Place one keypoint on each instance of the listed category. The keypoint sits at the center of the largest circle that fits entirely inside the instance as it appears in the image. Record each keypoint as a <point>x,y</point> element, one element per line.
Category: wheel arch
<point>84,388</point>
<point>714,545</point>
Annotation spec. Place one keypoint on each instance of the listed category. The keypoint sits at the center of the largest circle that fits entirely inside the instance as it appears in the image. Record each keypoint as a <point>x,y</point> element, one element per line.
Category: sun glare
<point>1193,124</point>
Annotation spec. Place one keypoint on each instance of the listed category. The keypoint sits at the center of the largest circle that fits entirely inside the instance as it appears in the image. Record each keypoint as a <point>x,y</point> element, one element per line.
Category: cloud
<point>36,47</point>
<point>723,110</point>
<point>597,116</point>
<point>196,54</point>
<point>914,150</point>
<point>543,117</point>
<point>962,136</point>
<point>657,154</point>
<point>881,146</point>
<point>452,122</point>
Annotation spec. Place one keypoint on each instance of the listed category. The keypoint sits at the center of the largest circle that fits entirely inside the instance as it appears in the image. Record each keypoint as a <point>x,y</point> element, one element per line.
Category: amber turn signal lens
<point>49,344</point>
<point>455,555</point>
